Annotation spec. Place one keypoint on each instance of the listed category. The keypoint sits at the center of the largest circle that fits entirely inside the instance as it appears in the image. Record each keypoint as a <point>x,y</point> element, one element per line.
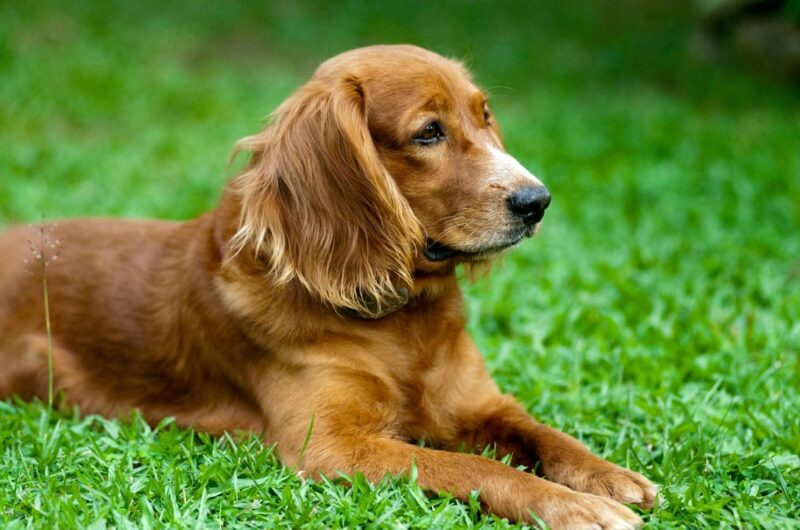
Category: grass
<point>656,317</point>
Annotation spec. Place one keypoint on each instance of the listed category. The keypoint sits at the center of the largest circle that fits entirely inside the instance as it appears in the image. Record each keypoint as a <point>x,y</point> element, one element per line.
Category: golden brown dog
<point>322,287</point>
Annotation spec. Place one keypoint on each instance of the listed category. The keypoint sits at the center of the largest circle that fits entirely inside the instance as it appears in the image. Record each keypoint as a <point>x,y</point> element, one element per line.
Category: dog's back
<point>92,299</point>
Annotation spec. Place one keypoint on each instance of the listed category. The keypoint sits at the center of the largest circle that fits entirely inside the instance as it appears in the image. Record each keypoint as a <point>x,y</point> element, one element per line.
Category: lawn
<point>656,316</point>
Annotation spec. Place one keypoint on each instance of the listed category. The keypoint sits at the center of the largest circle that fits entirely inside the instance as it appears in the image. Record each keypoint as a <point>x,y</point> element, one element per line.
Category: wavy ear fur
<point>319,206</point>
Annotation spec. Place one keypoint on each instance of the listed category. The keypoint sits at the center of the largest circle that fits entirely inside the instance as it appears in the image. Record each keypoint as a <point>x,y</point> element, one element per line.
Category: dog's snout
<point>529,203</point>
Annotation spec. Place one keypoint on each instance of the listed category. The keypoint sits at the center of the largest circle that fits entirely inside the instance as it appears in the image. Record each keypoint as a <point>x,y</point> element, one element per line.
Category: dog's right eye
<point>431,134</point>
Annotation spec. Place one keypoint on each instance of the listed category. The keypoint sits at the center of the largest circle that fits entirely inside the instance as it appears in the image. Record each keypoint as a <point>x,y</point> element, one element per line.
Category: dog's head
<point>388,161</point>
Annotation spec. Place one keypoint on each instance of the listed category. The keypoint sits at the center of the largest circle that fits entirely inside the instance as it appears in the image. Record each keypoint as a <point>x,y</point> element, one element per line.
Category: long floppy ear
<point>320,207</point>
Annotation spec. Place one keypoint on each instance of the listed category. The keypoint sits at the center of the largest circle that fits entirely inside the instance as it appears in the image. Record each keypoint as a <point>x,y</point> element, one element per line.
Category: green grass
<point>656,317</point>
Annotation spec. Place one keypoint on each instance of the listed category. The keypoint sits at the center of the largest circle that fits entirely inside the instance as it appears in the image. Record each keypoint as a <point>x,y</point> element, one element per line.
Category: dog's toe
<point>621,485</point>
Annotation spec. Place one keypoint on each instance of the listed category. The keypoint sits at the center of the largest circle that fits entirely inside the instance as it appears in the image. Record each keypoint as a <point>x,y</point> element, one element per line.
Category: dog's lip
<point>436,251</point>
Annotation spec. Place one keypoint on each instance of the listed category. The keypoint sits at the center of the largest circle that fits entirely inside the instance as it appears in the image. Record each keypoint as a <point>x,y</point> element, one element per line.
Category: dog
<point>319,296</point>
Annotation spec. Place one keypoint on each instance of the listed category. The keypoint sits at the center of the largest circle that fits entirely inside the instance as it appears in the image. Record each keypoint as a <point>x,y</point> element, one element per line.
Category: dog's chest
<point>440,378</point>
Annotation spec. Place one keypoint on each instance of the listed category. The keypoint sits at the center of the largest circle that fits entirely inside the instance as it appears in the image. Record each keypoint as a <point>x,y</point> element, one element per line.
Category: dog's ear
<point>319,206</point>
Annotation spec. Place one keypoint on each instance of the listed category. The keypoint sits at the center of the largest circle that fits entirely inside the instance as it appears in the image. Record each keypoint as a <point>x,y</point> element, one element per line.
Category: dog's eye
<point>487,115</point>
<point>431,134</point>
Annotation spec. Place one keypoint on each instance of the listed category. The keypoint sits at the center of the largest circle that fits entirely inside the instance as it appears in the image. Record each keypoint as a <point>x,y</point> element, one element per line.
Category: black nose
<point>529,203</point>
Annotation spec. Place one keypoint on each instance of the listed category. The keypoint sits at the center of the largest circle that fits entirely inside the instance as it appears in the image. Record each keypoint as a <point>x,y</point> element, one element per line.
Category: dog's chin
<point>436,251</point>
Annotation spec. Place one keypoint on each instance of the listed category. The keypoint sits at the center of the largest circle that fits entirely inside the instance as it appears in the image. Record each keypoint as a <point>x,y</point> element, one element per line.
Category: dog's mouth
<point>437,251</point>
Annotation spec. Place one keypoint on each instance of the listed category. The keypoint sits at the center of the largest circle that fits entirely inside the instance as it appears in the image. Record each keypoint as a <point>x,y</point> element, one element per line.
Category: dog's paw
<point>618,483</point>
<point>583,511</point>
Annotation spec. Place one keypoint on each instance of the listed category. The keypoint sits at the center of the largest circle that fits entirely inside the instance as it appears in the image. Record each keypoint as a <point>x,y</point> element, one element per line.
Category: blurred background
<point>154,86</point>
<point>656,316</point>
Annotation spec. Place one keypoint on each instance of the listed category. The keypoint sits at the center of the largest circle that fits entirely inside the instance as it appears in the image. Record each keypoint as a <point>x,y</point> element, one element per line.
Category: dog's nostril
<point>529,203</point>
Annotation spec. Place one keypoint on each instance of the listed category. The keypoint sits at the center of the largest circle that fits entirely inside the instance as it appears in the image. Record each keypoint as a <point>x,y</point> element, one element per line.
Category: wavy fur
<point>318,203</point>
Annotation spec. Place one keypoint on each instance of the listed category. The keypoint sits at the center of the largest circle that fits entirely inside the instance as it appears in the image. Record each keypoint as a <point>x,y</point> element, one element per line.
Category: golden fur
<point>322,286</point>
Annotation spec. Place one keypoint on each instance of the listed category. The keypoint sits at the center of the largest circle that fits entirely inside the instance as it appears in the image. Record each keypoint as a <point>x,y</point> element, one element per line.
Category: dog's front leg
<point>328,421</point>
<point>479,416</point>
<point>554,454</point>
<point>503,490</point>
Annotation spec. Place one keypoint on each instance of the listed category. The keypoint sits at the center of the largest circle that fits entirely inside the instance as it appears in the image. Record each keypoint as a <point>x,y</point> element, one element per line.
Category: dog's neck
<point>431,279</point>
<point>429,284</point>
<point>378,310</point>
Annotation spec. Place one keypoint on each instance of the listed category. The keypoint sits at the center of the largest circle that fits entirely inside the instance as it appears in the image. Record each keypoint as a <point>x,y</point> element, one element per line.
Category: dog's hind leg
<point>24,368</point>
